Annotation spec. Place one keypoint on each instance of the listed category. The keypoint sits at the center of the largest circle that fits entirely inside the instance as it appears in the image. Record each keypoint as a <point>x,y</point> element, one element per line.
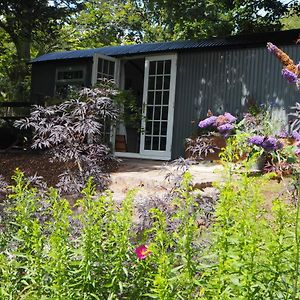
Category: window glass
<point>68,78</point>
<point>106,69</point>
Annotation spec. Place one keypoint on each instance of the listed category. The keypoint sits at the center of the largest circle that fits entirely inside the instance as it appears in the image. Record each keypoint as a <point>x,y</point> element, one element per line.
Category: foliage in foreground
<point>75,133</point>
<point>49,251</point>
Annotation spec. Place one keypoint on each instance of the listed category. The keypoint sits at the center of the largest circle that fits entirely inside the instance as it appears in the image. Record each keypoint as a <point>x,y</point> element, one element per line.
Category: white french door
<point>158,106</point>
<point>105,67</point>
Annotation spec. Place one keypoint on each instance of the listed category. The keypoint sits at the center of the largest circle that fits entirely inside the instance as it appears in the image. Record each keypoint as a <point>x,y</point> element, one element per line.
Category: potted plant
<point>212,136</point>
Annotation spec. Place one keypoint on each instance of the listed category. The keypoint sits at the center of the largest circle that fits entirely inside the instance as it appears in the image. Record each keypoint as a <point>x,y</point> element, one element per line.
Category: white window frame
<point>96,56</point>
<point>67,69</point>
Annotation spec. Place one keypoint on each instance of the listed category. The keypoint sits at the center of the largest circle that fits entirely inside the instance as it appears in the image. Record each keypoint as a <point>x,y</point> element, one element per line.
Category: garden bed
<point>31,163</point>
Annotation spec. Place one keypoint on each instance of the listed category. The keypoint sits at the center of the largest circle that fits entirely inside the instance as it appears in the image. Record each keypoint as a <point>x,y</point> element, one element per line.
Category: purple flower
<point>256,140</point>
<point>271,47</point>
<point>267,143</point>
<point>229,117</point>
<point>297,151</point>
<point>296,135</point>
<point>225,128</point>
<point>283,134</point>
<point>289,76</point>
<point>271,144</point>
<point>210,121</point>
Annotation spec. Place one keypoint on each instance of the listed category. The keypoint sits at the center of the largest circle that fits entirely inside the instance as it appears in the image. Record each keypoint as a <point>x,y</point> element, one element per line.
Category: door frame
<point>96,56</point>
<point>117,76</point>
<point>156,154</point>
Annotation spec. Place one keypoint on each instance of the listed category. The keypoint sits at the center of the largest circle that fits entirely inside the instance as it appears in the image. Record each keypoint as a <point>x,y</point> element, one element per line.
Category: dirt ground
<point>148,176</point>
<point>31,163</point>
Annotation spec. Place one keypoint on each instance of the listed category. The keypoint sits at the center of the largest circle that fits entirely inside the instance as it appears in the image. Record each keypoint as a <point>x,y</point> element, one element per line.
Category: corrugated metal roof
<point>279,37</point>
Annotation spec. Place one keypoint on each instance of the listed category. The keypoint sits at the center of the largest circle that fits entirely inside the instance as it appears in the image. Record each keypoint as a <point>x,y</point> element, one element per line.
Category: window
<point>106,69</point>
<point>157,107</point>
<point>66,78</point>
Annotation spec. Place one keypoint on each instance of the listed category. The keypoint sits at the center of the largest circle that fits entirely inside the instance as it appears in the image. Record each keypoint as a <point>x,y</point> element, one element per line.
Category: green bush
<point>50,250</point>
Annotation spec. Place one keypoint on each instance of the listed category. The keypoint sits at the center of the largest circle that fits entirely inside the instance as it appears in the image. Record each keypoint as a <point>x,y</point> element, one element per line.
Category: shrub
<point>50,251</point>
<point>75,132</point>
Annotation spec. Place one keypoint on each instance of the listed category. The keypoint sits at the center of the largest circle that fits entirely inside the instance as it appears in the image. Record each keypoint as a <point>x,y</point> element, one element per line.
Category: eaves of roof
<point>238,41</point>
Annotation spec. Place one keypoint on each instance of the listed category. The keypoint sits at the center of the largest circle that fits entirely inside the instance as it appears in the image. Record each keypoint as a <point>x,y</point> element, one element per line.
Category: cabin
<point>175,83</point>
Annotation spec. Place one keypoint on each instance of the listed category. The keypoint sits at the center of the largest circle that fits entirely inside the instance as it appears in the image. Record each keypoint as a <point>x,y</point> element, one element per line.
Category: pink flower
<point>142,251</point>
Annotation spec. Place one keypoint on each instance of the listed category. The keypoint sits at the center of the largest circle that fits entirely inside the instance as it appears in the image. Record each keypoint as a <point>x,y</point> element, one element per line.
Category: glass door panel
<point>158,105</point>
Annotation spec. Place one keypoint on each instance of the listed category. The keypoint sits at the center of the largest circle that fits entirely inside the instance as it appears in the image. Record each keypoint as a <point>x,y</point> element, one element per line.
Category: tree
<point>131,21</point>
<point>292,21</point>
<point>193,19</point>
<point>7,56</point>
<point>29,20</point>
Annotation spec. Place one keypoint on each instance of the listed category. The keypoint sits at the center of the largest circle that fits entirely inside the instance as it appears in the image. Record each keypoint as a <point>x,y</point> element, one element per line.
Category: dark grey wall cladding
<point>43,76</point>
<point>225,80</point>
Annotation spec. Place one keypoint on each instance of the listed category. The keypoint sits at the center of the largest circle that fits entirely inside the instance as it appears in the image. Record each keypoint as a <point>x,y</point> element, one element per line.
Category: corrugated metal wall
<point>43,76</point>
<point>225,80</point>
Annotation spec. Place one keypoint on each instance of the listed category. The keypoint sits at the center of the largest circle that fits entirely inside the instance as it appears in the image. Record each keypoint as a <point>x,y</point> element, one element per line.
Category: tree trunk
<point>21,74</point>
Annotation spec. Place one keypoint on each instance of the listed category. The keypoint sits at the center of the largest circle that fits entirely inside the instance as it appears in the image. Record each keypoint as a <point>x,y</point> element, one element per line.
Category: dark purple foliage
<point>75,132</point>
<point>200,147</point>
<point>205,201</point>
<point>3,185</point>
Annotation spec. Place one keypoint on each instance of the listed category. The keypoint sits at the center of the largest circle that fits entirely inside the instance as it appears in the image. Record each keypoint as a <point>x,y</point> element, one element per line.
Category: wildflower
<point>289,76</point>
<point>283,134</point>
<point>229,117</point>
<point>271,144</point>
<point>256,140</point>
<point>271,48</point>
<point>267,143</point>
<point>142,251</point>
<point>225,128</point>
<point>296,135</point>
<point>297,151</point>
<point>287,62</point>
<point>210,121</point>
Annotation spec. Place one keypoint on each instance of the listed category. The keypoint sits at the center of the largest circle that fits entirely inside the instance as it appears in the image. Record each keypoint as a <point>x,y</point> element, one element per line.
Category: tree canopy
<point>160,20</point>
<point>28,22</point>
<point>30,28</point>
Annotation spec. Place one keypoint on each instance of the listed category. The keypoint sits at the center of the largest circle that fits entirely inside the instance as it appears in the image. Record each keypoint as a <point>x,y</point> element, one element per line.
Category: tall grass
<point>50,250</point>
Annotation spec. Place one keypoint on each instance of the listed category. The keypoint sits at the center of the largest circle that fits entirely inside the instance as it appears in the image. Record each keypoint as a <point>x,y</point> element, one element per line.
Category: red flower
<point>142,251</point>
